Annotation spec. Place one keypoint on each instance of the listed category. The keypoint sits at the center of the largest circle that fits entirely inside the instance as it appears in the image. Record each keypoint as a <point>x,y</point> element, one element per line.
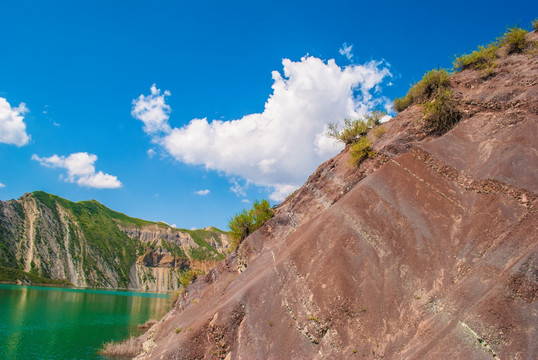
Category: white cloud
<point>152,111</point>
<point>80,170</point>
<point>281,146</point>
<point>12,126</point>
<point>2,185</point>
<point>238,189</point>
<point>202,192</point>
<point>345,50</point>
<point>151,153</point>
<point>246,201</point>
<point>171,225</point>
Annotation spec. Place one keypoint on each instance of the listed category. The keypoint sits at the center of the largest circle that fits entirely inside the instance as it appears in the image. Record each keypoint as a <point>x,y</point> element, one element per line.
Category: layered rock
<point>427,251</point>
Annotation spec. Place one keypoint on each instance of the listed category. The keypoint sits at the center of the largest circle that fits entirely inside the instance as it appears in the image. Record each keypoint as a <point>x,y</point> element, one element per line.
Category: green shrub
<point>240,227</point>
<point>189,276</point>
<point>246,222</point>
<point>360,150</point>
<point>378,131</point>
<point>515,40</point>
<point>535,24</point>
<point>431,84</point>
<point>11,275</point>
<point>441,114</point>
<point>354,129</point>
<point>374,118</point>
<point>400,104</point>
<point>483,59</point>
<point>351,131</point>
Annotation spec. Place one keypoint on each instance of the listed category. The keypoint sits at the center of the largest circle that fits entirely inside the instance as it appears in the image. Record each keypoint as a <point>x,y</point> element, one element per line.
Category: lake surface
<point>61,323</point>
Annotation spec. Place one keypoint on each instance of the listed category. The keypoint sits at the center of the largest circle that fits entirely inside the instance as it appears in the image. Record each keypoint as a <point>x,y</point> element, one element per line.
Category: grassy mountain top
<point>98,242</point>
<point>90,207</point>
<point>93,207</point>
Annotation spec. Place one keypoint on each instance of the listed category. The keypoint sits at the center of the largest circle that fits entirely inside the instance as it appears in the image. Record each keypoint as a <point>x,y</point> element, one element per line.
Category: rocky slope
<point>429,250</point>
<point>90,245</point>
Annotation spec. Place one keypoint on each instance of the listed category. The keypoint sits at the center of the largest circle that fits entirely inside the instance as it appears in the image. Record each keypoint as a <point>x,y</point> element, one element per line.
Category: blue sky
<point>242,92</point>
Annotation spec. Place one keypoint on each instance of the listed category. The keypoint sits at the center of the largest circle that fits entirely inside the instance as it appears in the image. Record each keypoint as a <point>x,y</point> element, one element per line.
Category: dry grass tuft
<point>127,349</point>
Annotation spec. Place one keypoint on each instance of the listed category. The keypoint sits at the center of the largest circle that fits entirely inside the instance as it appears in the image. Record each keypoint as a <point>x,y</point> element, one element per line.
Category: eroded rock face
<point>428,251</point>
<point>92,246</point>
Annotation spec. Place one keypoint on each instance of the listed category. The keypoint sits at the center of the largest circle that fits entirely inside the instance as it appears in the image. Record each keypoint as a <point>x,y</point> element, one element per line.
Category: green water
<point>59,323</point>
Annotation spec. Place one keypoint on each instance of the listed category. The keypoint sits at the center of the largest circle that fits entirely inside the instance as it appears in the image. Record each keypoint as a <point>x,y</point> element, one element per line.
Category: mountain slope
<point>88,244</point>
<point>427,251</point>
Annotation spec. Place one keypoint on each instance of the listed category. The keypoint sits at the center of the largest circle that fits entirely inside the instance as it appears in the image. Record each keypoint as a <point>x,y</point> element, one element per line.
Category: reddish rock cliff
<point>427,251</point>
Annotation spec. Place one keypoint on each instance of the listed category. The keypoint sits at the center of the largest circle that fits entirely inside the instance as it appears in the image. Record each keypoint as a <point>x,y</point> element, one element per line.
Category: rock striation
<point>429,250</point>
<point>90,245</point>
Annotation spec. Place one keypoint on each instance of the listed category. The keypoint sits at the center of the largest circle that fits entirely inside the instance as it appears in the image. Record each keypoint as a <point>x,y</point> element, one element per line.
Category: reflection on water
<point>59,323</point>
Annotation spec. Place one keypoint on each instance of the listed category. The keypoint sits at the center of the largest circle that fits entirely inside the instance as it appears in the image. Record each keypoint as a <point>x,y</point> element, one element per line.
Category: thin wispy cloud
<point>237,188</point>
<point>202,192</point>
<point>12,125</point>
<point>345,50</point>
<point>80,170</point>
<point>281,146</point>
<point>2,185</point>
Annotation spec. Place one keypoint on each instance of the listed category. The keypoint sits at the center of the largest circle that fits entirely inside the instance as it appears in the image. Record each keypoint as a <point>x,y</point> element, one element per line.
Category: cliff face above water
<point>90,245</point>
<point>429,250</point>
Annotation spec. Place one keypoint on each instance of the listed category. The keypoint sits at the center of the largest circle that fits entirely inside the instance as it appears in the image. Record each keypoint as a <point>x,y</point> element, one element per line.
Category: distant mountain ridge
<point>90,245</point>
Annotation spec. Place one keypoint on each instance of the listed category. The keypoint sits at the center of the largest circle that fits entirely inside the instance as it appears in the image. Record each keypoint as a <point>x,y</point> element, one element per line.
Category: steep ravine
<point>429,250</point>
<point>92,246</point>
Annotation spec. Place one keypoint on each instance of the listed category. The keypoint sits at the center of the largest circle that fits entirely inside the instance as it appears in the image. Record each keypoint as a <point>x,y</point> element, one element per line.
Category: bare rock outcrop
<point>427,251</point>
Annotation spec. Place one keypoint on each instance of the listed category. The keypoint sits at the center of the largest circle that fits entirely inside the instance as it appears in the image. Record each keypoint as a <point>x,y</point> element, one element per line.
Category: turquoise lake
<point>62,323</point>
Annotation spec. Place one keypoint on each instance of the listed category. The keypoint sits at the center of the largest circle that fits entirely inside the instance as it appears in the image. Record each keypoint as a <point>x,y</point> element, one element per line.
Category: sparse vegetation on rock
<point>246,222</point>
<point>361,150</point>
<point>485,58</point>
<point>354,134</point>
<point>440,111</point>
<point>354,129</point>
<point>515,39</point>
<point>378,131</point>
<point>189,276</point>
<point>441,114</point>
<point>432,84</point>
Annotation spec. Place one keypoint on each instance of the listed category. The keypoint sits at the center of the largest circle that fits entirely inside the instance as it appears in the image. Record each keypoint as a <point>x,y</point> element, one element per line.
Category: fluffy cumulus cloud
<point>12,126</point>
<point>281,146</point>
<point>152,111</point>
<point>80,170</point>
